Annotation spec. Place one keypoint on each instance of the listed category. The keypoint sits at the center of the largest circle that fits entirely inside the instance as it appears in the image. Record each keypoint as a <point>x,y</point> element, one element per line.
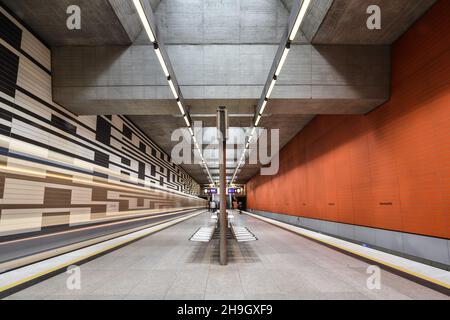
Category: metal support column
<point>222,124</point>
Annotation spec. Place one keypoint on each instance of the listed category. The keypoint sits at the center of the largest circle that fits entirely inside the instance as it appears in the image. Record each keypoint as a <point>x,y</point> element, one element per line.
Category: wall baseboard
<point>428,250</point>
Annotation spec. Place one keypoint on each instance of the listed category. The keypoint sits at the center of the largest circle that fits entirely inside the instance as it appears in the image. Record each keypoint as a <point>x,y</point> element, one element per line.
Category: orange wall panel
<point>389,169</point>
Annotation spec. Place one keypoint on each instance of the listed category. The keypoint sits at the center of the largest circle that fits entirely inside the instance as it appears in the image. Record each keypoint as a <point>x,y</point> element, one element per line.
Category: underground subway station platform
<point>204,152</point>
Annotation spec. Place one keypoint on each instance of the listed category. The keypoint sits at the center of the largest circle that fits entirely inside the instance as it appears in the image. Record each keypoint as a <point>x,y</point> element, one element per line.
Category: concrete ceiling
<point>288,4</point>
<point>343,26</point>
<point>221,52</point>
<point>220,22</point>
<point>161,127</point>
<point>99,23</point>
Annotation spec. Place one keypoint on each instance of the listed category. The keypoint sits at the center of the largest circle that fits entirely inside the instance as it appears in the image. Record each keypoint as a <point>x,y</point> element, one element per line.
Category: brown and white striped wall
<point>60,170</point>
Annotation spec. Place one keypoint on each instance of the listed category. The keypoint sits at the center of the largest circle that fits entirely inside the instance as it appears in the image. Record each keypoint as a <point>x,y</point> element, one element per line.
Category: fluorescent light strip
<point>257,120</point>
<point>180,106</point>
<point>272,84</point>
<point>151,36</point>
<point>251,136</point>
<point>299,19</point>
<point>263,106</point>
<point>161,61</point>
<point>187,121</point>
<point>282,60</point>
<point>172,87</point>
<point>241,162</point>
<point>144,20</point>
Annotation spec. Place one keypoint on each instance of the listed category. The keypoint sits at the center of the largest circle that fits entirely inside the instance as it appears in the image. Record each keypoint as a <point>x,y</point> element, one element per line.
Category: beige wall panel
<point>15,189</point>
<point>32,105</point>
<point>20,221</point>
<point>36,49</point>
<point>81,195</point>
<point>27,148</point>
<point>34,79</point>
<point>90,121</point>
<point>79,215</point>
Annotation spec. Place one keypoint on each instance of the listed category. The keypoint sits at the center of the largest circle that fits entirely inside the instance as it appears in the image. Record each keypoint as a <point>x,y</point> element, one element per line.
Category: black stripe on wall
<point>101,159</point>
<point>152,170</point>
<point>127,132</point>
<point>103,131</point>
<point>141,172</point>
<point>6,115</point>
<point>63,124</point>
<point>26,26</point>
<point>9,32</point>
<point>35,62</point>
<point>8,71</point>
<point>5,130</point>
<point>142,147</point>
<point>125,161</point>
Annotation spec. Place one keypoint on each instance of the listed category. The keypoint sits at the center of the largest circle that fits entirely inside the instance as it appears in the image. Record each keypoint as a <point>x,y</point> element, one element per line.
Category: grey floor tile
<point>293,282</point>
<point>223,283</point>
<point>189,282</point>
<point>258,281</point>
<point>266,296</point>
<point>155,283</point>
<point>184,296</point>
<point>144,296</point>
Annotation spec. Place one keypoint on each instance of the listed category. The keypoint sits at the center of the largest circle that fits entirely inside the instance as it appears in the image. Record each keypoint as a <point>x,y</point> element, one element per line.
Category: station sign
<point>211,190</point>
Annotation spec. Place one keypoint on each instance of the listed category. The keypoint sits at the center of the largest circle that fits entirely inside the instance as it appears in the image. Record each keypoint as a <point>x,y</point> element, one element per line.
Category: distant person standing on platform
<point>240,207</point>
<point>212,205</point>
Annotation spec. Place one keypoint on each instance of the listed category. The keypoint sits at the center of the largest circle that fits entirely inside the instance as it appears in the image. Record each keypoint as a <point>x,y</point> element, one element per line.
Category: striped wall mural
<point>59,170</point>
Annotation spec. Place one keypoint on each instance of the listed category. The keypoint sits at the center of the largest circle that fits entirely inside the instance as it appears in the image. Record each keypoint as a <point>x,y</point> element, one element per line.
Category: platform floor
<point>279,265</point>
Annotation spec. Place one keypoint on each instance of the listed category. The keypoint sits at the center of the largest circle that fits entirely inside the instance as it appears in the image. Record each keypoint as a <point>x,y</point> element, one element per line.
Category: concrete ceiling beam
<point>99,22</point>
<point>93,80</point>
<point>128,17</point>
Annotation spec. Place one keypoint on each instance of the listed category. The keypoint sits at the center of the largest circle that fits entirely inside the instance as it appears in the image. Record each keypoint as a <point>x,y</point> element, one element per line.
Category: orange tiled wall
<point>389,169</point>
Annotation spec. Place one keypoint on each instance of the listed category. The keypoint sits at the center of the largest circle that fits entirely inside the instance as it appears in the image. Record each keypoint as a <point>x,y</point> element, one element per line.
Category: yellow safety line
<point>418,275</point>
<point>42,273</point>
